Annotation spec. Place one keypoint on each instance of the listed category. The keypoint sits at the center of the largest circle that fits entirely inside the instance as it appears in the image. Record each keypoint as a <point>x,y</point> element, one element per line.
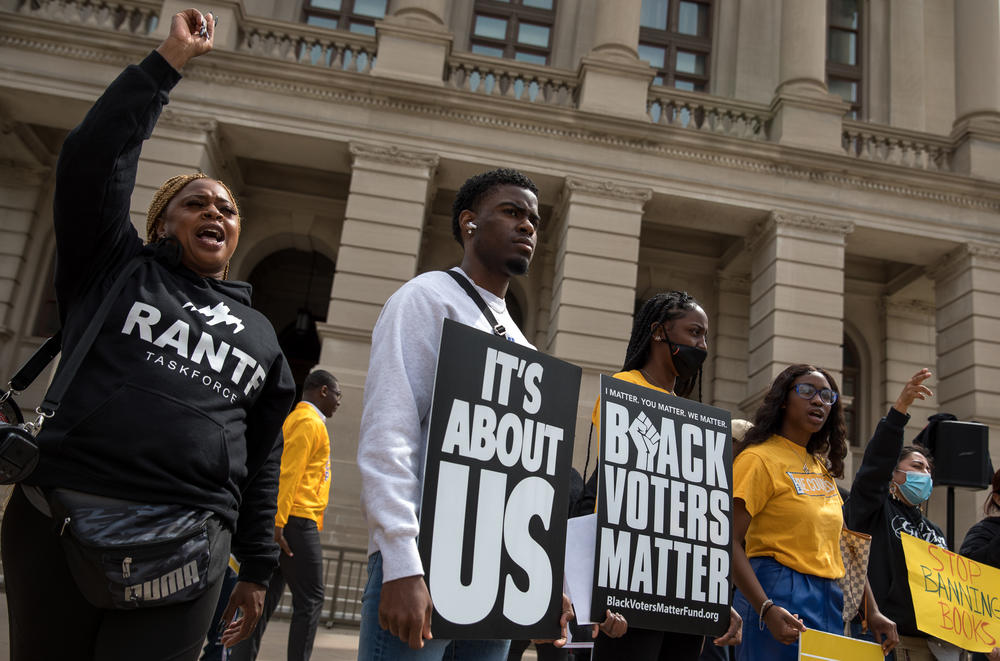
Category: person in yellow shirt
<point>787,519</point>
<point>303,493</point>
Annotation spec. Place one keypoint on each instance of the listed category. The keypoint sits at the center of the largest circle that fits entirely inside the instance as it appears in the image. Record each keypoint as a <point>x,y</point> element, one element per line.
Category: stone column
<point>387,204</point>
<point>806,115</point>
<point>909,346</point>
<point>595,261</point>
<point>967,297</point>
<point>729,339</point>
<point>907,97</point>
<point>977,89</point>
<point>613,80</point>
<point>414,42</point>
<point>796,297</point>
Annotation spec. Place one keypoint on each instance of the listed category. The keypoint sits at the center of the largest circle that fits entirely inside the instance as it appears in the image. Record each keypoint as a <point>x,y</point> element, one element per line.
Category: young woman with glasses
<point>787,518</point>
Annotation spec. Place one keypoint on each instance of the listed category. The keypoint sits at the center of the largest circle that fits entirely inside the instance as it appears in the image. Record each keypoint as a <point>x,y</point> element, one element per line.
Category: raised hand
<point>185,40</point>
<point>912,390</point>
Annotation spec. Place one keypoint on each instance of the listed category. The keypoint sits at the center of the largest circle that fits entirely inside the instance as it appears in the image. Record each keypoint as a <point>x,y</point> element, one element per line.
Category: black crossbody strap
<point>38,361</point>
<point>478,299</point>
<point>73,361</point>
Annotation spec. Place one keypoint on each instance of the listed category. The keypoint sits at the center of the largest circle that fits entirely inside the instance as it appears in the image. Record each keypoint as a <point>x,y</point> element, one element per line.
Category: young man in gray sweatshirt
<point>495,218</point>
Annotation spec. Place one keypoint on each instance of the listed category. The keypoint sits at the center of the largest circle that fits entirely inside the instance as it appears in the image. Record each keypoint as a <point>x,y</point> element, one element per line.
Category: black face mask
<point>687,359</point>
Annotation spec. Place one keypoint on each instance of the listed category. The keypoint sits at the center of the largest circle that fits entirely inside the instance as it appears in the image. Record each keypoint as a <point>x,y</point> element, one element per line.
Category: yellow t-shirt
<point>796,511</point>
<point>304,485</point>
<point>632,376</point>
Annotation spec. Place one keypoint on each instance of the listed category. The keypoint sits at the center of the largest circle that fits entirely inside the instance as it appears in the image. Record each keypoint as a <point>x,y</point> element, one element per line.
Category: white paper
<point>581,539</point>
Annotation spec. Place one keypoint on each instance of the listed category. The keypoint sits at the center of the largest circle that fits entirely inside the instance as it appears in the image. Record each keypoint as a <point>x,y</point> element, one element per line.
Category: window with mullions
<point>515,29</point>
<point>675,36</point>
<point>843,52</point>
<point>353,15</point>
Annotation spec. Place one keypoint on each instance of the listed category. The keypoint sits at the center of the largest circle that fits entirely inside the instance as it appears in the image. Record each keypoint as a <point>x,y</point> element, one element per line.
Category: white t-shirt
<point>397,404</point>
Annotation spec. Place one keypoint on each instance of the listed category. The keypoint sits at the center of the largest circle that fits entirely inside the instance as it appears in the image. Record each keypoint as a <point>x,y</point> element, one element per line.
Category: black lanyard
<point>498,328</point>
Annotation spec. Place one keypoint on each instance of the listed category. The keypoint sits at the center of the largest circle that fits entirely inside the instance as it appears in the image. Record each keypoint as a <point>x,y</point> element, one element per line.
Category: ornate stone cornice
<point>783,219</point>
<point>393,154</point>
<point>23,174</point>
<point>963,255</point>
<point>607,189</point>
<point>665,146</point>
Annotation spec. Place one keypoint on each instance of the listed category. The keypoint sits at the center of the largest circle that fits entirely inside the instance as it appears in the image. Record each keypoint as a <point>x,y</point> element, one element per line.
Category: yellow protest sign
<point>821,646</point>
<point>954,598</point>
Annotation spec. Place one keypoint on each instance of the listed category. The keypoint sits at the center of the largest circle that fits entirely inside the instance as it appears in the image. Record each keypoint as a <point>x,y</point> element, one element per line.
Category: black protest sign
<point>664,515</point>
<point>496,487</point>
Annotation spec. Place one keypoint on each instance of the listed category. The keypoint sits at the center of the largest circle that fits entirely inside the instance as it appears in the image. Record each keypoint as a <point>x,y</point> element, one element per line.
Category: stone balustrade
<point>137,17</point>
<point>711,114</point>
<point>885,144</point>
<point>305,44</point>
<point>512,80</point>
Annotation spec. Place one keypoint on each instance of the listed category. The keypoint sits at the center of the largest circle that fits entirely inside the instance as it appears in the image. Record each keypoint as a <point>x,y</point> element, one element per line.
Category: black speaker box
<point>962,455</point>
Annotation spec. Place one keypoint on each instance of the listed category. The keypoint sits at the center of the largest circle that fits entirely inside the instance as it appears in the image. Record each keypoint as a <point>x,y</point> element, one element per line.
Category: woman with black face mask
<point>665,352</point>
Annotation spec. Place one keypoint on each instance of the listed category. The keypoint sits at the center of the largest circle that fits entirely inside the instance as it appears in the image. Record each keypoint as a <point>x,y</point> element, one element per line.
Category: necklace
<point>650,380</point>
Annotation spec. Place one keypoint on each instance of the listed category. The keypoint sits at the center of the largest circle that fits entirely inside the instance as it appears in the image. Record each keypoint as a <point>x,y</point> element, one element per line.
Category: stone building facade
<point>859,230</point>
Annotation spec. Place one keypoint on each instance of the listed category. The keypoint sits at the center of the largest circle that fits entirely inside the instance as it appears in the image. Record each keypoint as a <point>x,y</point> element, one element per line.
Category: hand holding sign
<point>784,626</point>
<point>405,610</point>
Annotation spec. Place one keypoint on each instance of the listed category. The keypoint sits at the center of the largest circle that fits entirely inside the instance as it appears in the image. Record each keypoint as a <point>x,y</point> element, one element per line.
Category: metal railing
<point>345,572</point>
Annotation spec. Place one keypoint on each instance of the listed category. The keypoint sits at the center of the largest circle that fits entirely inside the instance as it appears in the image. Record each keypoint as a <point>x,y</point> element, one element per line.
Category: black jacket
<point>182,396</point>
<point>870,509</point>
<point>982,542</point>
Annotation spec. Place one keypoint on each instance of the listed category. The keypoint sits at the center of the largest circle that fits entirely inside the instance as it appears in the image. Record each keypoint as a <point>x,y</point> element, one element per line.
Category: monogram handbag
<point>855,548</point>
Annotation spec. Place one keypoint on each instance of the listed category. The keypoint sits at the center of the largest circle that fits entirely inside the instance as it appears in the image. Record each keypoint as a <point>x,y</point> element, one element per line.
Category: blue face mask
<point>917,487</point>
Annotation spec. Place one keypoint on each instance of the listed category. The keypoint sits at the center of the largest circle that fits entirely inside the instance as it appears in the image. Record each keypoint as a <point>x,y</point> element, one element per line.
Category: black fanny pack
<point>125,554</point>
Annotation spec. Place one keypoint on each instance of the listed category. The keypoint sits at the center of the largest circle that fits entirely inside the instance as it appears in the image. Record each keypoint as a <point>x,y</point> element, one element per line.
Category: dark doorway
<point>292,289</point>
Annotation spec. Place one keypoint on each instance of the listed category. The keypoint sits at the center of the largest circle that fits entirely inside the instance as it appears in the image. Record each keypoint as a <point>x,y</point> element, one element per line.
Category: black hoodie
<point>870,509</point>
<point>182,396</point>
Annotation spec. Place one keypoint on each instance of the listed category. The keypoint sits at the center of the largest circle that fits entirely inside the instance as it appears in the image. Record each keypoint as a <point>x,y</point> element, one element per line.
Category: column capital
<point>951,263</point>
<point>911,308</point>
<point>171,118</point>
<point>392,154</point>
<point>779,220</point>
<point>607,189</point>
<point>738,283</point>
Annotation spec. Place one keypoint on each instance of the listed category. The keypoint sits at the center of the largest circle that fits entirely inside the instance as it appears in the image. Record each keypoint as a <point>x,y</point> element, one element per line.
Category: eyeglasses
<point>808,391</point>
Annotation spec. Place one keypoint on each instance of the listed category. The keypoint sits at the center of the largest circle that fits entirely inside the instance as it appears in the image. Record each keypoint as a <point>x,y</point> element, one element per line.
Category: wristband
<point>766,606</point>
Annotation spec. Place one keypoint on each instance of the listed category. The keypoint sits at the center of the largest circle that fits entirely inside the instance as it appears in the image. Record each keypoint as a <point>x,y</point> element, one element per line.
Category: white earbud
<point>472,226</point>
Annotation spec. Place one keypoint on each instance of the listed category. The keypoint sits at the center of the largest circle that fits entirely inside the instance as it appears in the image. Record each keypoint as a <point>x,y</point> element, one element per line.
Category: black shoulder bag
<point>498,328</point>
<point>122,554</point>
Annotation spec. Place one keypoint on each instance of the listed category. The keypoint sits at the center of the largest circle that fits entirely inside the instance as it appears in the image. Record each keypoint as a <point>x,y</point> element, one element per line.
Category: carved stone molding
<point>393,154</point>
<point>171,118</point>
<point>739,284</point>
<point>911,308</point>
<point>962,256</point>
<point>607,189</point>
<point>781,219</point>
<point>22,174</point>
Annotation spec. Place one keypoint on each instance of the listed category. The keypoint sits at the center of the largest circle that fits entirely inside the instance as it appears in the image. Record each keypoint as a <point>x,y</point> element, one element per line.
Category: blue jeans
<point>377,644</point>
<point>818,601</point>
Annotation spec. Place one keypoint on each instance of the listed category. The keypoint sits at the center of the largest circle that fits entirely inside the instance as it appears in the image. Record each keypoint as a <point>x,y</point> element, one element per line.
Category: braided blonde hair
<point>166,192</point>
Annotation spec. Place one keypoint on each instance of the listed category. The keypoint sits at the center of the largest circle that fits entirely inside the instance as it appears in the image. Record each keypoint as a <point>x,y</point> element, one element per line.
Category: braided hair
<point>659,309</point>
<point>829,441</point>
<point>166,192</point>
<point>476,188</point>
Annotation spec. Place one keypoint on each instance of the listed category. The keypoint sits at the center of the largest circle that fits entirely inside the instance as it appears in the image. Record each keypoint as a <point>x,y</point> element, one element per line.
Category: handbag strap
<point>29,371</point>
<point>498,328</point>
<point>75,358</point>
